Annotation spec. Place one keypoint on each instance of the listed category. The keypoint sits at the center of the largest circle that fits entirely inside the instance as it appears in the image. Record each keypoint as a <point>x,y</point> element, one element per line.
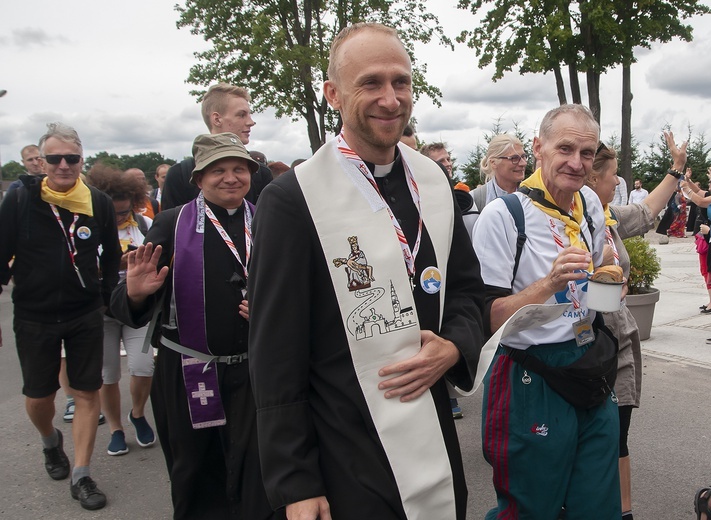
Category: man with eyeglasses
<point>58,217</point>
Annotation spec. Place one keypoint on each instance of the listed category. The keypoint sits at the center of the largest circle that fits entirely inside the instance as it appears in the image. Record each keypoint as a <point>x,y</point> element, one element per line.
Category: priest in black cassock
<point>193,271</point>
<point>366,301</point>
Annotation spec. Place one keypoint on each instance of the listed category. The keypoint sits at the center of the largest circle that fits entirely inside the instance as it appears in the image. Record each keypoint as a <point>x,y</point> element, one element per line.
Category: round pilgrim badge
<point>83,232</point>
<point>431,280</point>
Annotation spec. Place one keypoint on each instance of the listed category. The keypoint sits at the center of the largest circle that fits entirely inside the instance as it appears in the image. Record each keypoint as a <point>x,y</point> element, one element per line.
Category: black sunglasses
<point>71,158</point>
<point>600,148</point>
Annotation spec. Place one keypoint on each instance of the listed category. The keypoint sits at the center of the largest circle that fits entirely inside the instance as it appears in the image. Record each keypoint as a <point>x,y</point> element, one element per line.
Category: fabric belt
<point>228,360</point>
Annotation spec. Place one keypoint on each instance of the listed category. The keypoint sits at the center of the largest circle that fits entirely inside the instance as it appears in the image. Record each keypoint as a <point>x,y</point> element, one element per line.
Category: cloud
<point>512,89</point>
<point>28,37</point>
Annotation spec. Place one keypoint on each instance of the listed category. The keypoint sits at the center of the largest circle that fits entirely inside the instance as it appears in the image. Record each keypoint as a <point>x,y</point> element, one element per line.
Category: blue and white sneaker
<point>117,446</point>
<point>144,433</point>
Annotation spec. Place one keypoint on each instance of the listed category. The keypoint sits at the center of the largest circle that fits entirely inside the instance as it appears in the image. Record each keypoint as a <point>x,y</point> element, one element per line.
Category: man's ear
<point>537,148</point>
<point>215,120</point>
<point>330,92</point>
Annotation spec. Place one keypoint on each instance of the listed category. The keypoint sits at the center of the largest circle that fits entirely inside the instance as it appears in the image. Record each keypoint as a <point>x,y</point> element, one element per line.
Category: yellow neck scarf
<point>76,200</point>
<point>572,225</point>
<point>609,219</point>
<point>129,222</point>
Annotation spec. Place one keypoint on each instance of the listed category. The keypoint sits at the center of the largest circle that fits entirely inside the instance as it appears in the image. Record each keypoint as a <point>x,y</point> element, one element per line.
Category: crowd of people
<point>304,331</point>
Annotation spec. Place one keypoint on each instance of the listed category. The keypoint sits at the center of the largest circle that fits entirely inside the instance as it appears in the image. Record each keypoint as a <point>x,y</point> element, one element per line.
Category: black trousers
<point>214,472</point>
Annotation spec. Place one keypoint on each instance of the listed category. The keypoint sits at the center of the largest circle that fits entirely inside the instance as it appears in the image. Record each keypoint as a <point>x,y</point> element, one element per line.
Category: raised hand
<point>142,276</point>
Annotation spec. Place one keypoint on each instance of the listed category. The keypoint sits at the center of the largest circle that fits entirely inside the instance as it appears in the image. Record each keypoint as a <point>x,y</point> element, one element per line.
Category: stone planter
<point>642,308</point>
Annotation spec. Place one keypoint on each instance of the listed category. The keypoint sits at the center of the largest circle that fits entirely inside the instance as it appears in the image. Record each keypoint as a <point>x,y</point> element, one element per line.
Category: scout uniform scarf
<point>571,221</point>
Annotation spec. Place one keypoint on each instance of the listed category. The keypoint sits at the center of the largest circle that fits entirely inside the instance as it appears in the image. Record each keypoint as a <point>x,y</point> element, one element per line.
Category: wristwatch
<point>675,173</point>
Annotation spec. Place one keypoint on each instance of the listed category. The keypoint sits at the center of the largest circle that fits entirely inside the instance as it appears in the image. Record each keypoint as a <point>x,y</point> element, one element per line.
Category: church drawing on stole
<point>364,321</point>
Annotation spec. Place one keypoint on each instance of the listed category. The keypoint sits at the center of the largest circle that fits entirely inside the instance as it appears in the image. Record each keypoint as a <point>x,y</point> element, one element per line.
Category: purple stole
<point>200,377</point>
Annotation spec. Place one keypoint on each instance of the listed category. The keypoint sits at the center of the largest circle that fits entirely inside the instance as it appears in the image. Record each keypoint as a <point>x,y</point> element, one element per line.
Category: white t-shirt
<point>494,240</point>
<point>637,196</point>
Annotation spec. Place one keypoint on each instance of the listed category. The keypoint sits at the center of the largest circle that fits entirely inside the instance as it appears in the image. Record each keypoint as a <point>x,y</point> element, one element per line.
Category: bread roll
<point>608,274</point>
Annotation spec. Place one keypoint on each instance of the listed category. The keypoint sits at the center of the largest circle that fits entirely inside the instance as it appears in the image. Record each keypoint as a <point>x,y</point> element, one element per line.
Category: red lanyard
<point>408,255</point>
<point>228,240</point>
<point>69,238</point>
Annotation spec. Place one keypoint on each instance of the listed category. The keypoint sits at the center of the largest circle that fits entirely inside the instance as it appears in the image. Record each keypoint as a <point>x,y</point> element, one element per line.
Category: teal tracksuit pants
<point>545,453</point>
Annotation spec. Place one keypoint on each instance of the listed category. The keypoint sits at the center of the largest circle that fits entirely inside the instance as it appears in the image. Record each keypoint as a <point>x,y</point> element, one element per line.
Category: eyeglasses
<point>515,159</point>
<point>72,158</point>
<point>123,213</point>
<point>600,148</point>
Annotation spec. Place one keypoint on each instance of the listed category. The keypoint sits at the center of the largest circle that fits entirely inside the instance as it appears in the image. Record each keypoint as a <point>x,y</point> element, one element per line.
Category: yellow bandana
<point>572,226</point>
<point>129,222</point>
<point>76,200</point>
<point>609,219</point>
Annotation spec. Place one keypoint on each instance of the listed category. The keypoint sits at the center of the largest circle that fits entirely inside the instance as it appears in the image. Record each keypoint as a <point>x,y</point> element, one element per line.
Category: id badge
<point>583,332</point>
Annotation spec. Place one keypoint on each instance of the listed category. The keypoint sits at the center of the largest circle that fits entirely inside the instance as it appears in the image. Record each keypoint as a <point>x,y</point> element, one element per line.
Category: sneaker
<point>88,495</point>
<point>117,446</point>
<point>144,433</point>
<point>456,410</point>
<point>69,412</point>
<point>56,461</point>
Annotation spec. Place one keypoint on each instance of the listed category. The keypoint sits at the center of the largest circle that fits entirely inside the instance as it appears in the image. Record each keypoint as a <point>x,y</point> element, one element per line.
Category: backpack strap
<point>142,224</point>
<point>513,204</point>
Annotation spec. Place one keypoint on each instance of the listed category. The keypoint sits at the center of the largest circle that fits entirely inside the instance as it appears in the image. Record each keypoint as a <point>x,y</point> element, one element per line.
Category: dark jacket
<point>47,288</point>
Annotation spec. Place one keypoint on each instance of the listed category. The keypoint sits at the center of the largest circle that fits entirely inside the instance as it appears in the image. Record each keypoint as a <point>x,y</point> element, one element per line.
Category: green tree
<point>105,158</point>
<point>656,160</point>
<point>278,49</point>
<point>11,170</point>
<point>591,36</point>
<point>146,161</point>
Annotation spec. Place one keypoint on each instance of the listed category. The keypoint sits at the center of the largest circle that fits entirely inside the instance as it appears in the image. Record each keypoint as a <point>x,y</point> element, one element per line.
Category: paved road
<point>669,436</point>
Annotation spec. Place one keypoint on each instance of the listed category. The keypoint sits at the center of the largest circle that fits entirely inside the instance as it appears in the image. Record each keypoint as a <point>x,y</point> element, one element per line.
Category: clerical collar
<point>382,170</point>
<point>219,210</point>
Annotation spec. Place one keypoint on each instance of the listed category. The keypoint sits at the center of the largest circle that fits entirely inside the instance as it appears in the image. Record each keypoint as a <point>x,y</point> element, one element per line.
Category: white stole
<point>381,321</point>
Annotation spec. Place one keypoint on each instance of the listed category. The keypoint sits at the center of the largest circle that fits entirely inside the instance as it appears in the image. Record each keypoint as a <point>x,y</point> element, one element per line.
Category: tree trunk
<point>593,81</point>
<point>313,129</point>
<point>625,163</point>
<point>560,86</point>
<point>574,84</point>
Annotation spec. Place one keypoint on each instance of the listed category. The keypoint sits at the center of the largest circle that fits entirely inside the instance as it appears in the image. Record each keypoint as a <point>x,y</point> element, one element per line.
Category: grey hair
<point>63,133</point>
<point>576,110</point>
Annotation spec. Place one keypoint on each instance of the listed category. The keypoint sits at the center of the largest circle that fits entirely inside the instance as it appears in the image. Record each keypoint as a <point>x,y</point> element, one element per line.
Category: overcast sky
<point>116,72</point>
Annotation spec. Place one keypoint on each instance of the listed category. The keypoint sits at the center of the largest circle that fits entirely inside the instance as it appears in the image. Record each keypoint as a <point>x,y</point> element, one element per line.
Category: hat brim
<point>199,168</point>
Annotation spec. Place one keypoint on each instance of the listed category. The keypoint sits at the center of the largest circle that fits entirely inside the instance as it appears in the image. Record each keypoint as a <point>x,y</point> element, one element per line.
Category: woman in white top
<point>128,194</point>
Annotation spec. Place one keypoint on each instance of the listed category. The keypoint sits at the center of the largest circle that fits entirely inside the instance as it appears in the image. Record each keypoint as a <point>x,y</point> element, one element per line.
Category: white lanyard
<point>69,238</point>
<point>408,255</point>
<point>226,238</point>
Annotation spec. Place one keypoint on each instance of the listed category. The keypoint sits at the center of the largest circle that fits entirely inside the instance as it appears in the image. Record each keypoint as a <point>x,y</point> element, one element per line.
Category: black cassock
<point>315,431</point>
<point>214,472</point>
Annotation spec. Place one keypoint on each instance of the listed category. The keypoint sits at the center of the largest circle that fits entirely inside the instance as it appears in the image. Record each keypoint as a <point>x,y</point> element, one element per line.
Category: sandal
<point>701,503</point>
